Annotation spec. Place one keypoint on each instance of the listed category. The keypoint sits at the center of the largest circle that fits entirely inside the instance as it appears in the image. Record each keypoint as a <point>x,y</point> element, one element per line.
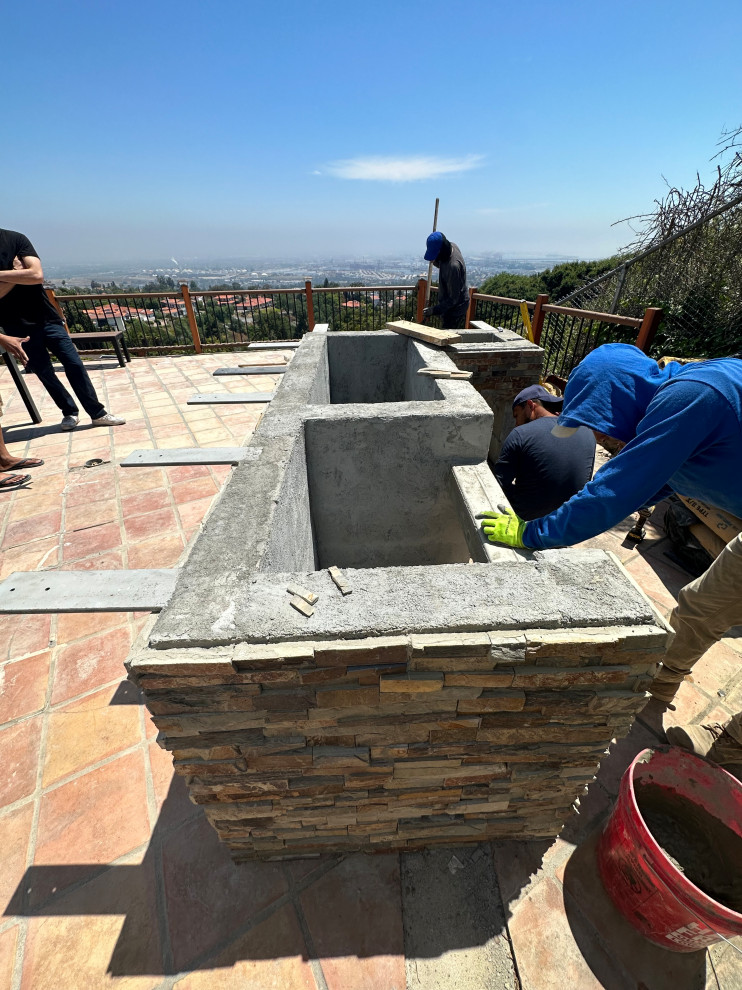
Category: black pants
<point>53,337</point>
<point>454,319</point>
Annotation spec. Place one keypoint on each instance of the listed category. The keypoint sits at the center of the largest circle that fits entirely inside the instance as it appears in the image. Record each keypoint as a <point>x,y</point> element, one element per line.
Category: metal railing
<point>207,320</point>
<point>566,334</point>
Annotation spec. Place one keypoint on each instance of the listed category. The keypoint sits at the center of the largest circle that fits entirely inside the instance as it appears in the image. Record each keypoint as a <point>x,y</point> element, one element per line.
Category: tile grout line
<point>315,962</point>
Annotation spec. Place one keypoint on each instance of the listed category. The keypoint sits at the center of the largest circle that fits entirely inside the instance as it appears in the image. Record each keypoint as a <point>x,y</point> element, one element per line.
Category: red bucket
<point>648,889</point>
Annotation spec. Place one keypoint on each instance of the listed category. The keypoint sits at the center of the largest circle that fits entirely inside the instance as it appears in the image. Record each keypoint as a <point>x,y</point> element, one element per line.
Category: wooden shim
<point>435,372</point>
<point>724,524</point>
<point>340,581</point>
<point>309,596</point>
<point>439,338</point>
<point>301,606</point>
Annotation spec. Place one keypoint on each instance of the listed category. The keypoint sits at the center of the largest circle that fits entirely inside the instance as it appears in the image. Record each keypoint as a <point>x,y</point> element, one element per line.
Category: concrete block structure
<point>459,692</point>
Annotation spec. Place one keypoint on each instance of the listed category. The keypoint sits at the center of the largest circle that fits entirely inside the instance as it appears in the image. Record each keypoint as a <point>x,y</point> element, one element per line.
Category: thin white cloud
<point>488,210</point>
<point>415,168</point>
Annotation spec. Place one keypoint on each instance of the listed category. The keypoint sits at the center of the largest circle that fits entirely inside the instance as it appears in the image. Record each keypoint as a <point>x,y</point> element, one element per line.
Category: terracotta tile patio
<point>112,878</point>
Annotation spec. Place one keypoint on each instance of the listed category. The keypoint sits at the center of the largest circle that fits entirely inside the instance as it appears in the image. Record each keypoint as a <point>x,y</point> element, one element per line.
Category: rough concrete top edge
<point>491,347</point>
<point>580,589</point>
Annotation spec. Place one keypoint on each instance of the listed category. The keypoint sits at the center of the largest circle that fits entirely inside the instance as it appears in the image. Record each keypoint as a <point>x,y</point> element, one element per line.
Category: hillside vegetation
<point>557,282</point>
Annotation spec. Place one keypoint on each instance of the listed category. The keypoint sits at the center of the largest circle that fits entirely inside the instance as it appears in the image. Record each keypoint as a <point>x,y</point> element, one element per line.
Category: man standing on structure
<point>25,311</point>
<point>682,426</point>
<point>538,472</point>
<point>453,296</point>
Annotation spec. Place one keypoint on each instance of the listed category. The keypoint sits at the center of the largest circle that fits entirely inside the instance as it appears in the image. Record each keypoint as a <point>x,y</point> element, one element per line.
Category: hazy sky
<point>142,130</point>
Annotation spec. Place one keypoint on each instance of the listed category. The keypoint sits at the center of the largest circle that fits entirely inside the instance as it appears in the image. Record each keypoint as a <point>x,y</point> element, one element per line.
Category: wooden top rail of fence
<point>172,294</point>
<point>364,288</point>
<point>589,314</point>
<point>503,300</point>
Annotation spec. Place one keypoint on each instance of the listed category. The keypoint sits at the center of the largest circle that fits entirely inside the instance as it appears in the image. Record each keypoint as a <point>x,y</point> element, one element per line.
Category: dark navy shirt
<point>539,472</point>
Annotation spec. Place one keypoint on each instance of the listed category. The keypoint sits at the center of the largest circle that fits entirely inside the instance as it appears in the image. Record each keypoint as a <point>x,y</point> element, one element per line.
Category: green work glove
<point>503,527</point>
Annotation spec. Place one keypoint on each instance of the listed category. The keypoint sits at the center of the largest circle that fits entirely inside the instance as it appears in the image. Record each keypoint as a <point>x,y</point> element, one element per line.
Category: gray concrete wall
<point>367,367</point>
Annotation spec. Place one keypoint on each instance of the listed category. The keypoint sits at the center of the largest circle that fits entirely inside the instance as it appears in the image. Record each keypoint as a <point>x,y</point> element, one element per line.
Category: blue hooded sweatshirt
<point>682,426</point>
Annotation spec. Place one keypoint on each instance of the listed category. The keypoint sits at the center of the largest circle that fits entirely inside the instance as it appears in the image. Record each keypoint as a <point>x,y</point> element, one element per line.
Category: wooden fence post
<point>310,303</point>
<point>55,303</point>
<point>537,324</point>
<point>471,308</point>
<point>421,289</point>
<point>650,323</point>
<point>185,292</point>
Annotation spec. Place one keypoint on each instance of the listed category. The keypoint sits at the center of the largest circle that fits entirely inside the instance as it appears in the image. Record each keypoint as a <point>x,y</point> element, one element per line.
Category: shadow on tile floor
<point>597,925</point>
<point>186,906</point>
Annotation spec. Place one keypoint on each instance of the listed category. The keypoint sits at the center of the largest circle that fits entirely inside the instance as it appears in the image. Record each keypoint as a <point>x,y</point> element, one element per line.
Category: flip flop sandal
<point>27,462</point>
<point>14,481</point>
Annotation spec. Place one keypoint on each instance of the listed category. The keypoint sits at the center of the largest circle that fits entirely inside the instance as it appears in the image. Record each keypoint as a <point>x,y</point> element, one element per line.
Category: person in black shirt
<point>453,297</point>
<point>538,472</point>
<point>26,311</point>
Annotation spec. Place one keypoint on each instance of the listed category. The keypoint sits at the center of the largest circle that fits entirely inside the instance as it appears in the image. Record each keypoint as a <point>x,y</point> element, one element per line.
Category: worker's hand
<point>428,311</point>
<point>14,346</point>
<point>503,527</point>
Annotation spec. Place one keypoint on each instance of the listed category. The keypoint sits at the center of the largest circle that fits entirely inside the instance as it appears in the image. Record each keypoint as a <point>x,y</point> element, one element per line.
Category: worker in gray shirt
<point>453,297</point>
<point>538,472</point>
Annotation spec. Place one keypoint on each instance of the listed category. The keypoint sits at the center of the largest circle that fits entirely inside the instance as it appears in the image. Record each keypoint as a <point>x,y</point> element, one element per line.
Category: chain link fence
<point>694,276</point>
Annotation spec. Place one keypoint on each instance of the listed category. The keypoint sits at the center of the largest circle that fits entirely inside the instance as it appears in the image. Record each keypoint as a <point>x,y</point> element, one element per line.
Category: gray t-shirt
<point>538,472</point>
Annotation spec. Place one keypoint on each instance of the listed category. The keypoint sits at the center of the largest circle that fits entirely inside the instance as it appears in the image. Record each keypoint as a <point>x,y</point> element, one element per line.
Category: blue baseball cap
<point>539,394</point>
<point>433,244</point>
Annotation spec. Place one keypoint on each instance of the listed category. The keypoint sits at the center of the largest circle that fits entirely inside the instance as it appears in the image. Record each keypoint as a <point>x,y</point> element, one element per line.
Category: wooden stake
<point>430,263</point>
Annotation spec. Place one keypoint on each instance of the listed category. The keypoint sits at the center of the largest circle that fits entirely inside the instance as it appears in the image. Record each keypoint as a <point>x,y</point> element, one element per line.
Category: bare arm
<point>5,288</point>
<point>29,274</point>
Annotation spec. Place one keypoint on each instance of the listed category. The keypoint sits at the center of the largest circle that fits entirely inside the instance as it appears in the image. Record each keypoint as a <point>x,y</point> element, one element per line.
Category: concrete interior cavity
<point>460,691</point>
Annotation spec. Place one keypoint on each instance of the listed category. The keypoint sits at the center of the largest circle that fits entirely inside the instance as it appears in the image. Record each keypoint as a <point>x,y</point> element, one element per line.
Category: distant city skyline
<point>169,128</point>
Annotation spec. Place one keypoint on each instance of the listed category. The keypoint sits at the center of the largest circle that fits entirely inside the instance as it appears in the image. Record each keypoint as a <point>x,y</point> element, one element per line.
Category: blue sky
<point>144,130</point>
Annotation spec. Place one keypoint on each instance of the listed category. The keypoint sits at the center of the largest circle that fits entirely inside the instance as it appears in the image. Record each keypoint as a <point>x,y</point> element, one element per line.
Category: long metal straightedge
<point>278,345</point>
<point>258,369</point>
<point>211,398</point>
<point>87,591</point>
<point>177,457</point>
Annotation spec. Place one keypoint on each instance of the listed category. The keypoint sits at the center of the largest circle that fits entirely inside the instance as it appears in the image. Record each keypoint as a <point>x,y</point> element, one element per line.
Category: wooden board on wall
<point>430,335</point>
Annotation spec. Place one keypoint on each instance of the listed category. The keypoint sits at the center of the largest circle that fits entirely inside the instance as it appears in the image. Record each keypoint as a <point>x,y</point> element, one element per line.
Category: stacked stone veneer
<point>502,364</point>
<point>395,742</point>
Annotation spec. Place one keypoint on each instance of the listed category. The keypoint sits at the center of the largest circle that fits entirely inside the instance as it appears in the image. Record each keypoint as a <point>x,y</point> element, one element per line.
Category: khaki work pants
<point>706,609</point>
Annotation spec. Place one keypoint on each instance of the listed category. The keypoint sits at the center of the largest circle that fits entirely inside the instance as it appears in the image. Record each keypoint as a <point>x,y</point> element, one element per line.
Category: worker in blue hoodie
<point>682,427</point>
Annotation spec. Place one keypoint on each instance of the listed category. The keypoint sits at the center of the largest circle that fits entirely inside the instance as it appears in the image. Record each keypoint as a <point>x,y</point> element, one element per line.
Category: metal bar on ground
<point>277,345</point>
<point>178,457</point>
<point>209,398</point>
<point>146,590</point>
<point>20,384</point>
<point>258,369</point>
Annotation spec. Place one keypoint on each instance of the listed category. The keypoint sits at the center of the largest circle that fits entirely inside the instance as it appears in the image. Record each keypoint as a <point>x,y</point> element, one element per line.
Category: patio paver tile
<point>90,821</point>
<point>23,685</point>
<point>273,954</point>
<point>87,731</point>
<point>207,895</point>
<point>90,663</point>
<point>23,634</point>
<point>15,832</point>
<point>104,935</point>
<point>354,915</point>
<point>19,745</point>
